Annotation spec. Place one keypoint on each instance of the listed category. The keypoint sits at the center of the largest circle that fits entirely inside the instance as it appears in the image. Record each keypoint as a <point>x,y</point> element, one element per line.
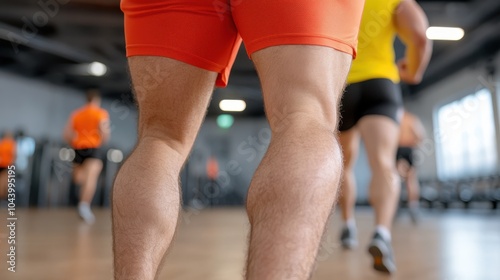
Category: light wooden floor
<point>55,245</point>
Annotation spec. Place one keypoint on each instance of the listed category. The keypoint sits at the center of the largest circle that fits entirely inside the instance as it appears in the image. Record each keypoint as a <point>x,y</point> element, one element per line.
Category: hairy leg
<point>294,188</point>
<point>173,98</point>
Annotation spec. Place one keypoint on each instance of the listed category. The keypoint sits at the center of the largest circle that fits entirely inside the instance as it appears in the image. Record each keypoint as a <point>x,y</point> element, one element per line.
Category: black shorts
<point>372,97</point>
<point>405,153</point>
<point>2,169</point>
<point>82,154</point>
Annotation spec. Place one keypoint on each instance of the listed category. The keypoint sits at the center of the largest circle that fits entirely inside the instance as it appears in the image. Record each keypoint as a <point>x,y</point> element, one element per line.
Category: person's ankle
<point>350,224</point>
<point>384,232</point>
<point>83,204</point>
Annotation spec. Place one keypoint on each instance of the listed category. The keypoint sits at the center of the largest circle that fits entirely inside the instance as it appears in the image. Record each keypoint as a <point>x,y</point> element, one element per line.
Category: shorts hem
<point>300,39</point>
<point>153,50</point>
<point>374,77</point>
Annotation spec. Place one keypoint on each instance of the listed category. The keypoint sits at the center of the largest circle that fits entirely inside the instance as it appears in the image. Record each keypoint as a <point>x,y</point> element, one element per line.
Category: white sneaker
<point>85,213</point>
<point>348,238</point>
<point>383,256</point>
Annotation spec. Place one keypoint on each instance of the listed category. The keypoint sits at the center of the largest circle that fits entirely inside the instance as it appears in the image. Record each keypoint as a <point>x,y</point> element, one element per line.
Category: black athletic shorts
<point>371,97</point>
<point>82,154</point>
<point>2,169</point>
<point>405,153</point>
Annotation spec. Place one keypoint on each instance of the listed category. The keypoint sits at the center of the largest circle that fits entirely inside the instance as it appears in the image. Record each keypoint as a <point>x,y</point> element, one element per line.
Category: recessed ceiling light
<point>97,69</point>
<point>232,105</point>
<point>444,33</point>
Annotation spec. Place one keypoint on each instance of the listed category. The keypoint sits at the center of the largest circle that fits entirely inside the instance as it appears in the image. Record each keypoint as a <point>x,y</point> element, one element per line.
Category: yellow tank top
<point>375,57</point>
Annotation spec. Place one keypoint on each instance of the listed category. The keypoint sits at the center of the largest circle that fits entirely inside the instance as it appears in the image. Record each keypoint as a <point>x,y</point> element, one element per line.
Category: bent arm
<point>411,25</point>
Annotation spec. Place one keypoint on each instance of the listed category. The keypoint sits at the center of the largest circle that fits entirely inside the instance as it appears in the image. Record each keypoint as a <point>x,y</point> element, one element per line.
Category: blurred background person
<point>7,158</point>
<point>212,168</point>
<point>86,130</point>
<point>411,134</point>
<point>371,108</point>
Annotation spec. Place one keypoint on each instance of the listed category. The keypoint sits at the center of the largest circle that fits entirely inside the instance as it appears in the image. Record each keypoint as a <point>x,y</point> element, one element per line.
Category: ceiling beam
<point>28,37</point>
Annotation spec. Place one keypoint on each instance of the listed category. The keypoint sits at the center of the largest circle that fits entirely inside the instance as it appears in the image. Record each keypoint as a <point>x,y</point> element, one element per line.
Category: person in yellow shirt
<point>7,158</point>
<point>86,130</point>
<point>371,109</point>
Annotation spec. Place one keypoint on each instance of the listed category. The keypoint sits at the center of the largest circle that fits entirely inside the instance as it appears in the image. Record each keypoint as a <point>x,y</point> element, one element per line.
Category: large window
<point>465,137</point>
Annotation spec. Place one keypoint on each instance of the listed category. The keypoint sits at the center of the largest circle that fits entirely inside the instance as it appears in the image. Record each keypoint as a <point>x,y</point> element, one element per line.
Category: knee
<point>301,123</point>
<point>386,169</point>
<point>382,164</point>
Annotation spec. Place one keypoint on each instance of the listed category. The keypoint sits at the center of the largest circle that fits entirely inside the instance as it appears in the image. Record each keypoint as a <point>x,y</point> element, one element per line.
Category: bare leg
<point>294,188</point>
<point>78,174</point>
<point>91,168</point>
<point>413,194</point>
<point>409,175</point>
<point>349,140</point>
<point>413,186</point>
<point>88,174</point>
<point>381,140</point>
<point>146,193</point>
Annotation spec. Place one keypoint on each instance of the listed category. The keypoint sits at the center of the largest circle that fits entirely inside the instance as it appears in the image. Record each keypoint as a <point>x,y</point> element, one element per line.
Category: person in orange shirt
<point>411,134</point>
<point>7,158</point>
<point>212,168</point>
<point>86,130</point>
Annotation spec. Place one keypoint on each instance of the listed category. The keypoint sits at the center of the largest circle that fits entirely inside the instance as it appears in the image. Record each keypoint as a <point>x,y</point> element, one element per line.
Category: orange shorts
<point>208,33</point>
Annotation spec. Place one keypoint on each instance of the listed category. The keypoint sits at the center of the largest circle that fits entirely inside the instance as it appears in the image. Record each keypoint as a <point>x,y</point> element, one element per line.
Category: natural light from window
<point>465,137</point>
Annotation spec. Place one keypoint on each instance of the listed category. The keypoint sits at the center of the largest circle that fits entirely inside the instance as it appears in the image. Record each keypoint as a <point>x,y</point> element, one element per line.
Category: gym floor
<point>211,245</point>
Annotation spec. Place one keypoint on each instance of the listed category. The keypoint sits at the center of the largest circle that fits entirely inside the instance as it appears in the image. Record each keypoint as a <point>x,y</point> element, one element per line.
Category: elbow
<point>420,40</point>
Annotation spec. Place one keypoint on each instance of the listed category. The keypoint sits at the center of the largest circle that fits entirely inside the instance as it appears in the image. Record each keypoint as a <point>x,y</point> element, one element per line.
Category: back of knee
<point>172,136</point>
<point>303,121</point>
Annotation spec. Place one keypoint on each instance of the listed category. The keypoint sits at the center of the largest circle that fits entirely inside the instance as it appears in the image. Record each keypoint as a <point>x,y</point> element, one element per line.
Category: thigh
<point>302,51</point>
<point>380,112</point>
<point>200,33</point>
<point>93,165</point>
<point>172,100</point>
<point>380,136</point>
<point>302,79</point>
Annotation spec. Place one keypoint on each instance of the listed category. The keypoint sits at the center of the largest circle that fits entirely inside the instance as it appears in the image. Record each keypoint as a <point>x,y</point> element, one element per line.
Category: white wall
<point>426,104</point>
<point>41,110</point>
